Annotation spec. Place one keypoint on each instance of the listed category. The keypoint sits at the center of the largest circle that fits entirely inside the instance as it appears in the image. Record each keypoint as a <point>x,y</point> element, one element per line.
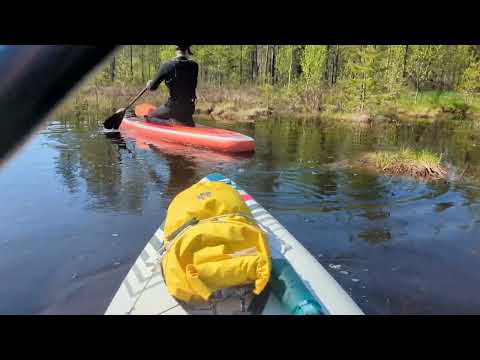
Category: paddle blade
<point>114,121</point>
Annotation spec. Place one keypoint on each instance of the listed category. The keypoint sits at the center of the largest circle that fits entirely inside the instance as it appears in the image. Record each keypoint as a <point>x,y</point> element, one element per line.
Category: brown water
<point>78,206</point>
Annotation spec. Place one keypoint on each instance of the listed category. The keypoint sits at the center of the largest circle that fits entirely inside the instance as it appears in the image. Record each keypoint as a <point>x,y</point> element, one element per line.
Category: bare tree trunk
<point>335,66</point>
<point>266,68</point>
<point>405,59</point>
<point>155,59</point>
<point>298,56</point>
<point>112,70</point>
<point>252,58</point>
<point>290,67</point>
<point>254,63</point>
<point>241,63</point>
<point>362,96</point>
<point>363,88</point>
<point>131,62</point>
<point>96,97</point>
<point>149,63</point>
<point>389,56</point>
<point>326,72</point>
<point>273,65</point>
<point>142,57</point>
<point>417,85</point>
<point>442,80</point>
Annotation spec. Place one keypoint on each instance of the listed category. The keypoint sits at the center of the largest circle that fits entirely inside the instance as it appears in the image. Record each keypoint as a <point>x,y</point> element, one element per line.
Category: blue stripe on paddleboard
<point>222,178</point>
<point>217,177</point>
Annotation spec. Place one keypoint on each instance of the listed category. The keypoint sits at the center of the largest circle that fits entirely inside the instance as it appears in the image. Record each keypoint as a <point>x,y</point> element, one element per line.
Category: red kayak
<point>206,137</point>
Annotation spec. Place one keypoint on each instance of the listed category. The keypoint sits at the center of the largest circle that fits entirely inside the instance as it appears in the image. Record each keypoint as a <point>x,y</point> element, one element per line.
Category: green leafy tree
<point>361,67</point>
<point>350,77</point>
<point>421,64</point>
<point>471,80</point>
<point>313,63</point>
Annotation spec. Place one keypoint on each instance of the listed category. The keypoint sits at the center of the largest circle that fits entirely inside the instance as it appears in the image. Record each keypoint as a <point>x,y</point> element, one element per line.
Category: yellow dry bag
<point>212,242</point>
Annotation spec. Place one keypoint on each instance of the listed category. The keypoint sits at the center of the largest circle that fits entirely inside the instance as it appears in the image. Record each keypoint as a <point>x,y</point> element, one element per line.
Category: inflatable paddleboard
<point>206,137</point>
<point>299,284</point>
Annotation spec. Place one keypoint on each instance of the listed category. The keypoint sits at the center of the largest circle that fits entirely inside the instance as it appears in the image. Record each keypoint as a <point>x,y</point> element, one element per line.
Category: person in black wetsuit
<point>180,75</point>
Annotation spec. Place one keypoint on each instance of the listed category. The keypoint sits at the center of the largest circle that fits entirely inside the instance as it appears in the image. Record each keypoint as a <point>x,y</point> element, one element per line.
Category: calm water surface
<point>79,205</point>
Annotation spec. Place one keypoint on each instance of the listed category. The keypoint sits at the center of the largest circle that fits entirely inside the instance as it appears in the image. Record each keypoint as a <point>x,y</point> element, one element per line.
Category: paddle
<point>114,121</point>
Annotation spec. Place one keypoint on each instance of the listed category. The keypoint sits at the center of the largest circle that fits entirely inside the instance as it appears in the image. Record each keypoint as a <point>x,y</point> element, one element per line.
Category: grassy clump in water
<point>407,162</point>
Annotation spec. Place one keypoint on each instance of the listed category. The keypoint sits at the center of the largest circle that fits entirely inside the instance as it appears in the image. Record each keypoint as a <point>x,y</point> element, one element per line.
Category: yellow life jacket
<point>212,242</point>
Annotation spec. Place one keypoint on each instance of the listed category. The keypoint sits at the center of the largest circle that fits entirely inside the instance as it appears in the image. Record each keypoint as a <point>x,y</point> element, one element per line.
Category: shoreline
<point>224,112</point>
<point>248,106</point>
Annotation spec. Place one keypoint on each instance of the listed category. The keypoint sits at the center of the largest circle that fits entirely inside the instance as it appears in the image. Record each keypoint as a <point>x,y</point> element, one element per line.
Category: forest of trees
<point>355,76</point>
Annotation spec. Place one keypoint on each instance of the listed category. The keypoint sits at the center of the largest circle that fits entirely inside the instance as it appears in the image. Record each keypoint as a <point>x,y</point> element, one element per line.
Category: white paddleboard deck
<point>144,292</point>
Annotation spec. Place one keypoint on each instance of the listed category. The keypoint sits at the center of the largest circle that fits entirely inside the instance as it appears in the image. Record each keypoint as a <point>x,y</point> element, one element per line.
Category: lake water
<point>79,205</point>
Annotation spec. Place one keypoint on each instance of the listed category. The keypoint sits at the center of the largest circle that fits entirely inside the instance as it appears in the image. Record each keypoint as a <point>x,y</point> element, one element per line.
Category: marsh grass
<point>407,162</point>
<point>455,104</point>
<point>246,101</point>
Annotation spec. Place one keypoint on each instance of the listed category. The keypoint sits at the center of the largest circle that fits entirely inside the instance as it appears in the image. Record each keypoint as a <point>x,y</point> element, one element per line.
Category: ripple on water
<point>356,221</point>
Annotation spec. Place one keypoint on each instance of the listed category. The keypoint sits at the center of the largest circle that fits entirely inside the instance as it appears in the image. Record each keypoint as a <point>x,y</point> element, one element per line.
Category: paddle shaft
<point>114,121</point>
<point>136,98</point>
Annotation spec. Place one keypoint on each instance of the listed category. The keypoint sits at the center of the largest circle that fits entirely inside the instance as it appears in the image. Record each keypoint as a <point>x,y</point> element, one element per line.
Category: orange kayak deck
<point>205,137</point>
